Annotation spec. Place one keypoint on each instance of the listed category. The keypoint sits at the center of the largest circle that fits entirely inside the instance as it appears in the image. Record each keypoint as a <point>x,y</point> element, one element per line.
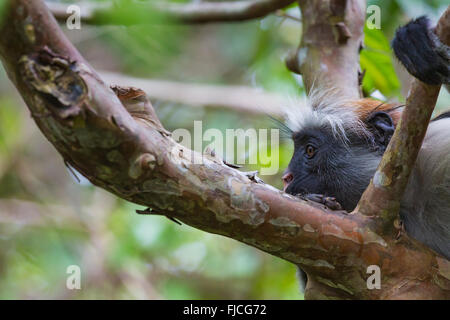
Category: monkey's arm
<point>422,53</point>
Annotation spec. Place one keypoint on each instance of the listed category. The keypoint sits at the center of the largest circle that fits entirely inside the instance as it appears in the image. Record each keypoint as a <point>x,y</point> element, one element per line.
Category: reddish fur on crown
<point>364,107</point>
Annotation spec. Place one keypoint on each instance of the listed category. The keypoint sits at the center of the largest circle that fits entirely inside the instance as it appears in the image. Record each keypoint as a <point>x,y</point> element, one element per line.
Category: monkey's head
<point>337,146</point>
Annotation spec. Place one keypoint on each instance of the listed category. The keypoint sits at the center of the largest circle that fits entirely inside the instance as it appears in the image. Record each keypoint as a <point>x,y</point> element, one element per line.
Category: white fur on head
<point>325,108</point>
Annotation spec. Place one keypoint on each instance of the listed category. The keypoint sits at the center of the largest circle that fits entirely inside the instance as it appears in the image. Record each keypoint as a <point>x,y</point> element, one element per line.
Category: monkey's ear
<point>382,127</point>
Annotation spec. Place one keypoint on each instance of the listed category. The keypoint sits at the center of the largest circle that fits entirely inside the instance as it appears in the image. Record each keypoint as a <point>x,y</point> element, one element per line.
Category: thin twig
<point>383,195</point>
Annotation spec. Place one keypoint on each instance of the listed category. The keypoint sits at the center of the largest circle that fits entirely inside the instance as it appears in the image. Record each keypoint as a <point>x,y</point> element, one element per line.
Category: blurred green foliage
<point>49,221</point>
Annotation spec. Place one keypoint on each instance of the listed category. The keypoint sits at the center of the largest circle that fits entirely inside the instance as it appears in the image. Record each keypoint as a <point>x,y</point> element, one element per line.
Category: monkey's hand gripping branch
<point>115,139</point>
<point>382,197</point>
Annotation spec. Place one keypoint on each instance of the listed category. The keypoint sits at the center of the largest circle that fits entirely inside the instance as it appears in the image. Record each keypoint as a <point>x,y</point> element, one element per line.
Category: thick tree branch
<point>116,141</point>
<point>382,197</point>
<point>191,13</point>
<point>238,98</point>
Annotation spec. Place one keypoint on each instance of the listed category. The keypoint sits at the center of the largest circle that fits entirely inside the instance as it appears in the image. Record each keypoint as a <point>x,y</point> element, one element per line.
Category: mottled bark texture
<point>113,137</point>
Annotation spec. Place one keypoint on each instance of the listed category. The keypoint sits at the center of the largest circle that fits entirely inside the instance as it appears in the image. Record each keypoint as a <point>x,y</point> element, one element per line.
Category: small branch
<point>383,195</point>
<point>282,14</point>
<point>329,51</point>
<point>225,11</point>
<point>190,13</point>
<point>238,98</point>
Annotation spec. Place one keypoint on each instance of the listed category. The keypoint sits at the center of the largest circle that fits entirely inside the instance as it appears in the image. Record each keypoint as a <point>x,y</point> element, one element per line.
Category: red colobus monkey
<point>338,145</point>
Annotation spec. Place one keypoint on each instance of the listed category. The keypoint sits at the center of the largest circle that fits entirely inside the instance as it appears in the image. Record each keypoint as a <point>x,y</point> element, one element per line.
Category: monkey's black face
<point>324,164</point>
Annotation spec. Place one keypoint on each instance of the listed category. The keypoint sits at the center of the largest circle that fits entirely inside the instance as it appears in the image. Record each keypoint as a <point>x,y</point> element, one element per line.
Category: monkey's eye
<point>310,151</point>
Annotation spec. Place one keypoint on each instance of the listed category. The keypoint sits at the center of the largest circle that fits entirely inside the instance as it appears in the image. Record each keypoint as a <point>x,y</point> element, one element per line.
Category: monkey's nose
<point>287,178</point>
